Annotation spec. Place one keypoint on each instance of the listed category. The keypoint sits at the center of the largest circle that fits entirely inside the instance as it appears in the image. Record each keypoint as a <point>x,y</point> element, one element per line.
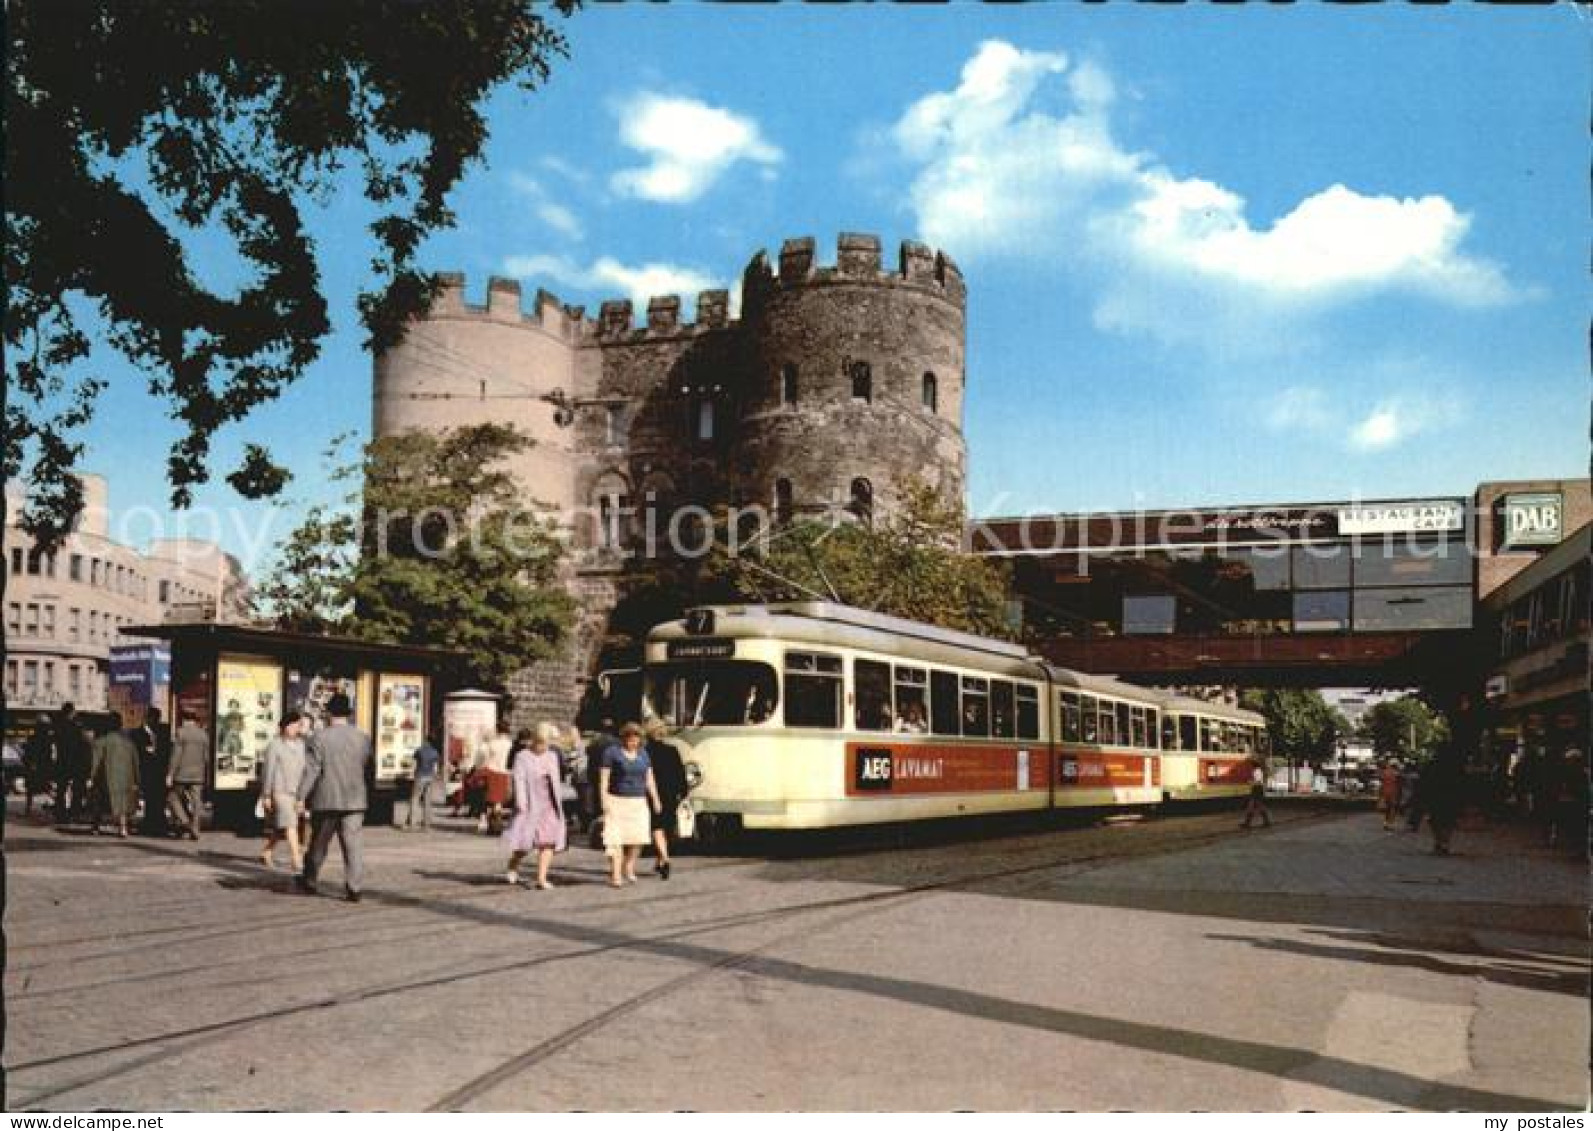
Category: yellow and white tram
<point>1207,748</point>
<point>811,715</point>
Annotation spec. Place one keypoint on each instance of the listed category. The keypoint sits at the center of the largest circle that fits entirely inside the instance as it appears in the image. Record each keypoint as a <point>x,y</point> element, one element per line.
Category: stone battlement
<point>858,260</point>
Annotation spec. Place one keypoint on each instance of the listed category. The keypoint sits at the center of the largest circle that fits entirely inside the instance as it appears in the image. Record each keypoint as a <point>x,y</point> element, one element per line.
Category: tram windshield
<point>711,693</point>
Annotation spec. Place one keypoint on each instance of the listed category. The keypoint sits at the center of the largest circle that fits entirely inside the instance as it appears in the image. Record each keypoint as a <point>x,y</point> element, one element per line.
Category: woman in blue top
<point>627,789</point>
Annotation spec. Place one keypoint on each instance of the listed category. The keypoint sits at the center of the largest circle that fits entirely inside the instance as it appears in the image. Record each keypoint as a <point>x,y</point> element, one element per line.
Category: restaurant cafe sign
<point>1430,516</point>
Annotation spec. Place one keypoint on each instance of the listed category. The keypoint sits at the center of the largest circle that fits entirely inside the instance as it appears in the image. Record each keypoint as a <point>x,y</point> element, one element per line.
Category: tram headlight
<point>693,775</point>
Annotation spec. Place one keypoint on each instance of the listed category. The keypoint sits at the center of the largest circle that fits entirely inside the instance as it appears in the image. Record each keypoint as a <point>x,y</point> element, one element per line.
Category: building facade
<point>834,385</point>
<point>1369,593</point>
<point>66,610</point>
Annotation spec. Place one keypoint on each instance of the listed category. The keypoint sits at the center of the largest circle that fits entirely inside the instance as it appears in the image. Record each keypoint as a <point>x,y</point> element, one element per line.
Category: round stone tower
<point>854,379</point>
<point>463,365</point>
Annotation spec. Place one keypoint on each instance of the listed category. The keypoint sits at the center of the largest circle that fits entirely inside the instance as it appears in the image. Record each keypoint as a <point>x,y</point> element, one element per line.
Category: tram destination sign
<point>707,648</point>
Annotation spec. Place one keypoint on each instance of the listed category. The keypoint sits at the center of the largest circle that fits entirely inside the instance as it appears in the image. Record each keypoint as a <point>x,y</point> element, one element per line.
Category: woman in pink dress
<point>538,822</point>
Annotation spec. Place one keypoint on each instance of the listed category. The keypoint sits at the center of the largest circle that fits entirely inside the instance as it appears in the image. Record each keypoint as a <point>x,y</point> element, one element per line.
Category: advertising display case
<point>238,681</point>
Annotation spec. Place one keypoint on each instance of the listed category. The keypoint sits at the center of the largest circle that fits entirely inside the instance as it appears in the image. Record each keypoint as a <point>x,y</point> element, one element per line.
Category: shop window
<point>1403,610</point>
<point>1434,563</point>
<point>1149,616</point>
<point>1326,611</point>
<point>1321,567</point>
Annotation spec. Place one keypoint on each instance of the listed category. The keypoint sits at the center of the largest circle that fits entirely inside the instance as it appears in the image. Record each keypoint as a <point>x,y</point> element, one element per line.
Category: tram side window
<point>1001,709</point>
<point>943,711</point>
<point>1090,712</point>
<point>1028,711</point>
<point>1124,730</point>
<point>1140,738</point>
<point>1169,733</point>
<point>975,707</point>
<point>912,700</point>
<point>812,690</point>
<point>1186,733</point>
<point>1153,719</point>
<point>1210,736</point>
<point>873,691</point>
<point>1072,731</point>
<point>1108,716</point>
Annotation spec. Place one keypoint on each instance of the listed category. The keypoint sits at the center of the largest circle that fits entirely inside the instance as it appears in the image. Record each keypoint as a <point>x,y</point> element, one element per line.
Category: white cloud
<point>547,209</point>
<point>607,276</point>
<point>1394,406</point>
<point>1020,160</point>
<point>689,144</point>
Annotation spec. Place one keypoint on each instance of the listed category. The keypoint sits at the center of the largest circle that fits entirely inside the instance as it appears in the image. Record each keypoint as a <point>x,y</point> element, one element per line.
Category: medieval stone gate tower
<point>834,385</point>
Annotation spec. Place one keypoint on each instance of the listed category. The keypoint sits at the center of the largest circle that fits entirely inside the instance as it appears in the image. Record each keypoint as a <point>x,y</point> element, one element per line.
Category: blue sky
<point>1214,255</point>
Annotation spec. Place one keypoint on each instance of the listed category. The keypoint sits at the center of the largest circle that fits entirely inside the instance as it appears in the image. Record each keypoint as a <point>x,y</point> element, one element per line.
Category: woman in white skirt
<point>628,790</point>
<point>279,790</point>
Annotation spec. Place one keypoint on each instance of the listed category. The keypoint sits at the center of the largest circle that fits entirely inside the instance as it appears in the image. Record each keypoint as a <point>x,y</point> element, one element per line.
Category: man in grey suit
<point>336,762</point>
<point>185,776</point>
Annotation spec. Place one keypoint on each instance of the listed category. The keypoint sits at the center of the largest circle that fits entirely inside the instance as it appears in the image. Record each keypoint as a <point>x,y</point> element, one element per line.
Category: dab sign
<point>1533,520</point>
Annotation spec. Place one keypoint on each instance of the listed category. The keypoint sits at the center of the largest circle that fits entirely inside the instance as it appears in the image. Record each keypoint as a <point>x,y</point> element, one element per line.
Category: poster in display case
<point>400,724</point>
<point>248,710</point>
<point>309,691</point>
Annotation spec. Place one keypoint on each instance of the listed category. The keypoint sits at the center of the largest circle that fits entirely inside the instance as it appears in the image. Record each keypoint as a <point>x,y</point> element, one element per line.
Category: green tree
<point>906,564</point>
<point>134,130</point>
<point>1303,726</point>
<point>1405,728</point>
<point>444,554</point>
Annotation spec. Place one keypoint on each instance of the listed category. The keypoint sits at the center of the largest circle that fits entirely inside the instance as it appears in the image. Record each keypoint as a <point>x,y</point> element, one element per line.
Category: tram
<point>811,715</point>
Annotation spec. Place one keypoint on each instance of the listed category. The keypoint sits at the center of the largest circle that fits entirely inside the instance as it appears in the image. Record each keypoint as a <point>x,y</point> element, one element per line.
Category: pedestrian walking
<point>590,786</point>
<point>153,739</point>
<point>1388,794</point>
<point>279,789</point>
<point>1568,804</point>
<point>423,778</point>
<point>336,764</point>
<point>185,778</point>
<point>627,789</point>
<point>38,764</point>
<point>496,770</point>
<point>1257,805</point>
<point>73,760</point>
<point>114,775</point>
<point>1442,784</point>
<point>1411,797</point>
<point>669,774</point>
<point>538,823</point>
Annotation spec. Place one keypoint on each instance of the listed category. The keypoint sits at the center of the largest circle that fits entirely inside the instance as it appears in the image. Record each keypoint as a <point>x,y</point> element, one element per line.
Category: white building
<point>66,610</point>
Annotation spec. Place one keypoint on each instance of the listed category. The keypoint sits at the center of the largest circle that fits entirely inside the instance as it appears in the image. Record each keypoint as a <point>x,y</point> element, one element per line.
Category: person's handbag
<point>685,820</point>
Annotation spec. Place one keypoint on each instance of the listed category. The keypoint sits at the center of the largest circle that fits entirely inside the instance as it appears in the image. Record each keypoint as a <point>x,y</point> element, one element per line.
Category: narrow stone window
<point>615,430</point>
<point>788,385</point>
<point>931,393</point>
<point>783,507</point>
<point>705,419</point>
<point>862,504</point>
<point>862,381</point>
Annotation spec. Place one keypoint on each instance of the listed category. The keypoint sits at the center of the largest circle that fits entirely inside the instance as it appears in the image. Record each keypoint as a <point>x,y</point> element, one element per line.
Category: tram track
<point>669,943</point>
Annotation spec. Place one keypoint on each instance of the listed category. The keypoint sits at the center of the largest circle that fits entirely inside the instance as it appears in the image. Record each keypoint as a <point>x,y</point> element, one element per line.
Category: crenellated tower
<point>835,383</point>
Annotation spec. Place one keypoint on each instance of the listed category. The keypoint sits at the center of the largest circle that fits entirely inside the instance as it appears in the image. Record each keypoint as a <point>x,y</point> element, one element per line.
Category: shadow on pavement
<point>1409,954</point>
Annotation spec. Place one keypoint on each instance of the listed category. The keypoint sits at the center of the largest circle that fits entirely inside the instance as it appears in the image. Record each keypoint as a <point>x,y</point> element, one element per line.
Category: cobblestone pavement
<point>1169,964</point>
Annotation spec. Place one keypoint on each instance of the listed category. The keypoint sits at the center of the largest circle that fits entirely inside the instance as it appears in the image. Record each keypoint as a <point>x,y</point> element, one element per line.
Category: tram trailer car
<point>812,715</point>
